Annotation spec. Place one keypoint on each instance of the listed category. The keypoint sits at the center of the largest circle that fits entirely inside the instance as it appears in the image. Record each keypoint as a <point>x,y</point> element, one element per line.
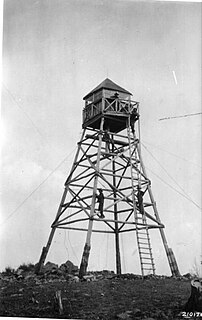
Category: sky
<point>54,53</point>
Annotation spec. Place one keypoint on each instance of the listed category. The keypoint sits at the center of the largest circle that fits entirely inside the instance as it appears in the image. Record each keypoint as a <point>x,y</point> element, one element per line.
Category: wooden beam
<point>119,142</point>
<point>62,204</point>
<point>53,229</point>
<point>128,217</point>
<point>116,229</point>
<point>87,247</point>
<point>83,229</point>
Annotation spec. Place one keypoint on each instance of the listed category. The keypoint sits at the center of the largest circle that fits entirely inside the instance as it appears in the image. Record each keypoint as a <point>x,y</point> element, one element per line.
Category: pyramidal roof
<point>107,84</point>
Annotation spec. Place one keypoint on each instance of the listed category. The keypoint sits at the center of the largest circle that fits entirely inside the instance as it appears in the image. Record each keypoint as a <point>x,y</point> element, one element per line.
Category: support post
<point>47,247</point>
<point>170,255</point>
<point>87,247</point>
<point>117,246</point>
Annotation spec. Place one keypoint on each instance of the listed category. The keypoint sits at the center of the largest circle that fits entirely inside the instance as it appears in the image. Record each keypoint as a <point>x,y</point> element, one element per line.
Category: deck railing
<point>108,105</point>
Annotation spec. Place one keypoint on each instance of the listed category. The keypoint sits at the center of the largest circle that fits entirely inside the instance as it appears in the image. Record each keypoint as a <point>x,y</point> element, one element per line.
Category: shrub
<point>26,267</point>
<point>9,271</point>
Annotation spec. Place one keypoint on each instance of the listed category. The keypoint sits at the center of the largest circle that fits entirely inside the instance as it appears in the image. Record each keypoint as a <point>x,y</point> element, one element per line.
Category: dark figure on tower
<point>100,200</point>
<point>133,118</point>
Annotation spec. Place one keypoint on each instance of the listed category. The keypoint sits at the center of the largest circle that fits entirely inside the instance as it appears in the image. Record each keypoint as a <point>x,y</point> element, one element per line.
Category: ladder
<point>144,245</point>
<point>142,232</point>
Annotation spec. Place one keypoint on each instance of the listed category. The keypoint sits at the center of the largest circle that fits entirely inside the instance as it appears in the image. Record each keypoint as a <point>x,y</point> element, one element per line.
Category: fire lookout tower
<point>112,186</point>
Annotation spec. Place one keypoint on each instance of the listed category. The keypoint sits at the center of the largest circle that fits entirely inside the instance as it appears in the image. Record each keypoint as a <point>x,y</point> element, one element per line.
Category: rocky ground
<point>58,293</point>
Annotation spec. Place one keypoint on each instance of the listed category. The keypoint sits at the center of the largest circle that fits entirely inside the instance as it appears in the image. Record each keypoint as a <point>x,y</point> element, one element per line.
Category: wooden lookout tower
<point>113,192</point>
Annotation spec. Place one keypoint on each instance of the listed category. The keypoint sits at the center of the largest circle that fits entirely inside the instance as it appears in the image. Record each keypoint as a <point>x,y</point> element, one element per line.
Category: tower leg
<point>170,255</point>
<point>118,258</point>
<point>117,246</point>
<point>47,247</point>
<point>87,247</point>
<point>45,252</point>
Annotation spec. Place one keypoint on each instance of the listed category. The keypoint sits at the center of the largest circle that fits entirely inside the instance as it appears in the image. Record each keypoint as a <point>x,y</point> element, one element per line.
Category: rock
<point>30,276</point>
<point>68,267</point>
<point>20,277</point>
<point>50,267</point>
<point>34,300</point>
<point>106,272</point>
<point>19,272</point>
<point>86,294</point>
<point>188,276</point>
<point>71,278</point>
<point>89,277</point>
<point>124,315</point>
<point>137,312</point>
<point>16,295</point>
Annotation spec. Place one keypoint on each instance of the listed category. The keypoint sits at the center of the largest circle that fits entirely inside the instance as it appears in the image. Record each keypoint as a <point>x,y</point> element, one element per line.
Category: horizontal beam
<point>109,220</point>
<point>99,231</point>
<point>119,142</point>
<point>83,229</point>
<point>115,175</point>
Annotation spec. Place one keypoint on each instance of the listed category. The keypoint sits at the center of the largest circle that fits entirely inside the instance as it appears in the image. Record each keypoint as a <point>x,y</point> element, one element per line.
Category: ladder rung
<point>145,234</point>
<point>145,252</point>
<point>145,248</point>
<point>148,239</point>
<point>143,243</point>
<point>146,243</point>
<point>147,258</point>
<point>150,263</point>
<point>143,238</point>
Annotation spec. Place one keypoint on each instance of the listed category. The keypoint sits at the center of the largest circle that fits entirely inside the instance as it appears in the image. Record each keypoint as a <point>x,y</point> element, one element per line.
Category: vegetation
<point>24,267</point>
<point>195,271</point>
<point>27,267</point>
<point>8,271</point>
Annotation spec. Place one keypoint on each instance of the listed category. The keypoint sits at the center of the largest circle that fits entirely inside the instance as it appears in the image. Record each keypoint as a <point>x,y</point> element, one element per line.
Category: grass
<point>27,267</point>
<point>8,271</point>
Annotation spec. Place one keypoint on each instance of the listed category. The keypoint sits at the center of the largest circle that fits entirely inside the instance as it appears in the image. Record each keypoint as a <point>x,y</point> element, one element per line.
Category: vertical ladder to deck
<point>142,232</point>
<point>144,245</point>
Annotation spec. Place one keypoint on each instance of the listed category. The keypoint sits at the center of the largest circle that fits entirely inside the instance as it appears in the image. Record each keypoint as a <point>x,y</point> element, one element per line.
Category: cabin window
<point>121,95</point>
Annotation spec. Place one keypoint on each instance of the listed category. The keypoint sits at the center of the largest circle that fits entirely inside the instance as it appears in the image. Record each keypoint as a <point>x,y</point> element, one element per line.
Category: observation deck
<point>112,102</point>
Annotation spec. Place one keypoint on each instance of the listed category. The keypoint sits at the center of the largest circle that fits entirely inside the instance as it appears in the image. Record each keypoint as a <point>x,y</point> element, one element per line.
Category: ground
<point>114,297</point>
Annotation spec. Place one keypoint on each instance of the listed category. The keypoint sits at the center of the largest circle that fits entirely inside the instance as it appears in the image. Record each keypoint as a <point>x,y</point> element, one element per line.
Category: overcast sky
<point>54,53</point>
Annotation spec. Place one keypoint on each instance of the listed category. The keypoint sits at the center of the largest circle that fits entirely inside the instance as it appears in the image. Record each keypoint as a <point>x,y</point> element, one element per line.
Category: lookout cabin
<point>111,101</point>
